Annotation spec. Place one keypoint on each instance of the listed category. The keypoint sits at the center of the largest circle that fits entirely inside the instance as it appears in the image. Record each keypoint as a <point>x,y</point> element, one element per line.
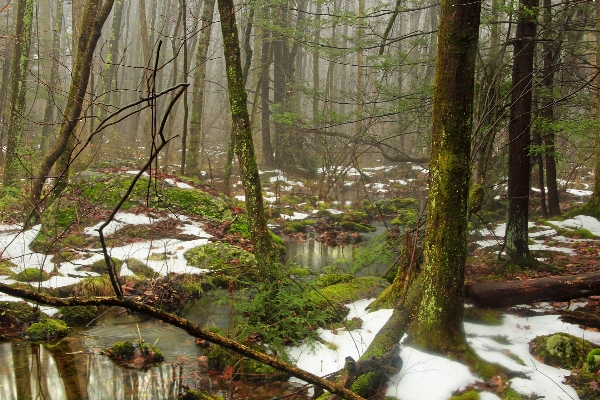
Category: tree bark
<point>244,148</point>
<point>519,136</point>
<point>265,115</point>
<point>81,73</point>
<point>556,288</point>
<point>438,323</point>
<point>196,128</point>
<point>13,168</point>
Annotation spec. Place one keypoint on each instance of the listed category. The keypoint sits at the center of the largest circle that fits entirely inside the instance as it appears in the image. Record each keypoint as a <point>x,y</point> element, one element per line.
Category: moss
<point>6,267</point>
<point>593,360</point>
<point>32,275</point>
<point>359,288</point>
<point>191,394</point>
<point>363,384</point>
<point>483,316</point>
<point>468,395</point>
<point>240,227</point>
<point>561,350</point>
<point>405,218</point>
<point>157,257</point>
<point>74,240</point>
<point>64,256</point>
<point>94,286</point>
<point>11,311</point>
<point>476,194</point>
<point>139,268</point>
<point>355,227</point>
<point>79,315</point>
<point>332,279</point>
<point>47,329</point>
<point>99,266</point>
<point>355,216</point>
<point>135,354</point>
<point>222,257</point>
<point>586,384</point>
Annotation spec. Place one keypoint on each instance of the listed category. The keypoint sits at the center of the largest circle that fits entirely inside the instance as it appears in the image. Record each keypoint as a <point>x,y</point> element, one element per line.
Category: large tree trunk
<point>20,65</point>
<point>53,80</point>
<point>257,224</point>
<point>196,128</point>
<point>93,21</point>
<point>518,136</point>
<point>438,323</point>
<point>265,115</point>
<point>547,113</point>
<point>555,288</point>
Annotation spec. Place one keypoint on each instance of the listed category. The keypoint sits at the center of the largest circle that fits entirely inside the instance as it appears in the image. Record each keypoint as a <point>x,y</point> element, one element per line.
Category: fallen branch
<point>187,326</point>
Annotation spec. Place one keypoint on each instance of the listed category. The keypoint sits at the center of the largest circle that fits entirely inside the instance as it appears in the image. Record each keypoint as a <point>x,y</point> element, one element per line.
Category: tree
<point>20,67</point>
<point>438,322</point>
<point>517,246</point>
<point>244,146</point>
<point>92,22</point>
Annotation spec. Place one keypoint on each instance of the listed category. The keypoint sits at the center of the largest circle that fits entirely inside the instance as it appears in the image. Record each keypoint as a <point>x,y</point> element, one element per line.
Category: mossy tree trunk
<point>519,129</point>
<point>592,207</point>
<point>438,321</point>
<point>196,128</point>
<point>93,20</point>
<point>13,168</point>
<point>244,147</point>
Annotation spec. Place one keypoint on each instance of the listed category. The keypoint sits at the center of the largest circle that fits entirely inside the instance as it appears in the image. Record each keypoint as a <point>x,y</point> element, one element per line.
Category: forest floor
<point>159,237</point>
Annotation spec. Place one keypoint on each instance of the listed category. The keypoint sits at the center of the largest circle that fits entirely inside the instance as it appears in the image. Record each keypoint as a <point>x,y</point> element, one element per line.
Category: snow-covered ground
<point>423,376</point>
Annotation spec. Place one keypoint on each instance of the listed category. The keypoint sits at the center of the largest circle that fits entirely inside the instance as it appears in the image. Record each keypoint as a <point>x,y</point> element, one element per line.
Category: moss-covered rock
<point>593,360</point>
<point>586,384</point>
<point>18,312</point>
<point>468,395</point>
<point>561,350</point>
<point>332,279</point>
<point>136,354</point>
<point>358,288</point>
<point>6,267</point>
<point>47,329</point>
<point>356,227</point>
<point>405,218</point>
<point>139,268</point>
<point>99,266</point>
<point>222,257</point>
<point>94,286</point>
<point>79,315</point>
<point>32,275</point>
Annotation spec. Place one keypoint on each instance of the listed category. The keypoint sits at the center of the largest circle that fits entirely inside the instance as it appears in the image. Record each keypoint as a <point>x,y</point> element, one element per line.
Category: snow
<point>181,185</point>
<point>580,221</point>
<point>120,220</point>
<point>295,216</point>
<point>580,193</point>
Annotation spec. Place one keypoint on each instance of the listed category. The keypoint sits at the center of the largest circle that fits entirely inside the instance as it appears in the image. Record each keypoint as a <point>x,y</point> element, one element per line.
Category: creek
<point>74,369</point>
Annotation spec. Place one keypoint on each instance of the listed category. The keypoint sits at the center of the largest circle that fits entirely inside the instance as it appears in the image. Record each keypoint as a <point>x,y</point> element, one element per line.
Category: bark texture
<point>20,65</point>
<point>244,148</point>
<point>438,323</point>
<point>519,135</point>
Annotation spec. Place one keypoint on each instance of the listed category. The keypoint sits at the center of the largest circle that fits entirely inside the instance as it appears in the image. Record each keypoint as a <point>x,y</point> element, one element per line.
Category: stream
<point>74,368</point>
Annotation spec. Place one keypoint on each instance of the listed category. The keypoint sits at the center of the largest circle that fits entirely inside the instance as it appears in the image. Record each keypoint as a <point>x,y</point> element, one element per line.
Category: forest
<point>318,199</point>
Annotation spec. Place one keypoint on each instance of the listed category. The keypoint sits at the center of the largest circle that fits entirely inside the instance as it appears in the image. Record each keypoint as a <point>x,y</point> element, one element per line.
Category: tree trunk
<point>555,288</point>
<point>547,114</point>
<point>93,21</point>
<point>438,323</point>
<point>196,128</point>
<point>257,224</point>
<point>265,115</point>
<point>53,80</point>
<point>518,136</point>
<point>13,168</point>
<point>185,96</point>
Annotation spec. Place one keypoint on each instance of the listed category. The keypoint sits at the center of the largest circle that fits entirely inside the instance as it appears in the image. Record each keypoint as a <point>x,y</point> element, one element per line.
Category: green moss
<point>47,329</point>
<point>586,384</point>
<point>32,275</point>
<point>6,267</point>
<point>94,286</point>
<point>593,360</point>
<point>99,266</point>
<point>157,257</point>
<point>222,257</point>
<point>191,394</point>
<point>74,240</point>
<point>13,310</point>
<point>79,315</point>
<point>64,256</point>
<point>405,218</point>
<point>359,288</point>
<point>483,316</point>
<point>476,194</point>
<point>561,350</point>
<point>123,352</point>
<point>468,395</point>
<point>139,268</point>
<point>355,227</point>
<point>331,279</point>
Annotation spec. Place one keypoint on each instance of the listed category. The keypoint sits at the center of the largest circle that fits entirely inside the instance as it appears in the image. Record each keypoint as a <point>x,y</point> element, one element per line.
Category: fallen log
<point>556,288</point>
